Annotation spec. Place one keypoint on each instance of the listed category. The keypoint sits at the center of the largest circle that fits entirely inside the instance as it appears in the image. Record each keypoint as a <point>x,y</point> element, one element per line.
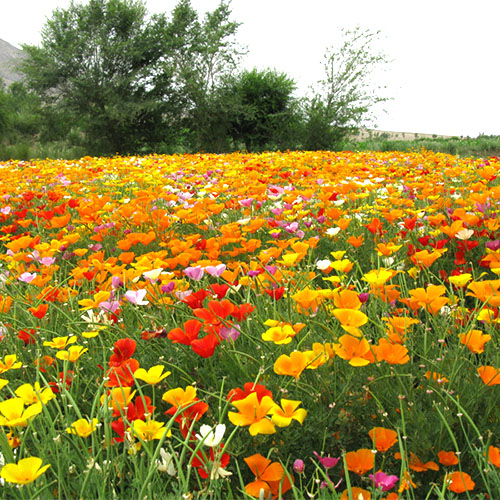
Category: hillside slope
<point>9,56</point>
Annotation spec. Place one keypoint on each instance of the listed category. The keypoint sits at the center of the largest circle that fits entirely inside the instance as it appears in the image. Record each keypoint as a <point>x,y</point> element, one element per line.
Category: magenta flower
<point>169,287</point>
<point>246,202</point>
<point>327,462</point>
<point>116,282</point>
<point>384,481</point>
<point>493,245</point>
<point>298,466</point>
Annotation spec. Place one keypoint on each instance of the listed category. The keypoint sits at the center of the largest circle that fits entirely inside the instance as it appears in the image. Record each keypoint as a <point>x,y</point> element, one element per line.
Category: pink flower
<point>298,466</point>
<point>246,202</point>
<point>137,297</point>
<point>231,333</point>
<point>194,273</point>
<point>27,277</point>
<point>382,480</point>
<point>215,270</point>
<point>327,462</point>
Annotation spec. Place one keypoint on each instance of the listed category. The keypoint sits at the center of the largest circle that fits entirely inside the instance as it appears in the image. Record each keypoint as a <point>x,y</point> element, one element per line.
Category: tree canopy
<point>109,78</point>
<point>124,77</point>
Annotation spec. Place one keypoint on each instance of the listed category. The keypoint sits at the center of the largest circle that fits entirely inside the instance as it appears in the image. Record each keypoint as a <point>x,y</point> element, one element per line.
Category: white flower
<point>210,436</point>
<point>332,231</point>
<point>167,463</point>
<point>388,261</point>
<point>96,318</point>
<point>464,234</point>
<point>154,274</point>
<point>323,264</point>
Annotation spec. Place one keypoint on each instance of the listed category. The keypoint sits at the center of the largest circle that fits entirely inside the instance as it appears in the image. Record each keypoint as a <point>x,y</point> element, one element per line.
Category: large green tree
<point>345,98</point>
<point>124,78</point>
<point>259,109</point>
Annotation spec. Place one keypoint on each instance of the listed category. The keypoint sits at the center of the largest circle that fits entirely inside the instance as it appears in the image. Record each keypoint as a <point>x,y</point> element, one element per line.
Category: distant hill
<point>9,57</point>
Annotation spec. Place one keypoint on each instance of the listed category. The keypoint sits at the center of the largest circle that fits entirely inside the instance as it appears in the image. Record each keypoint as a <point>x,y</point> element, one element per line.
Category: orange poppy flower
<point>401,323</point>
<point>387,249</point>
<point>394,354</point>
<point>360,461</point>
<point>424,258</point>
<point>447,458</point>
<point>485,291</point>
<point>494,455</point>
<point>489,375</point>
<point>307,299</point>
<point>292,365</point>
<point>459,482</point>
<point>351,320</point>
<point>355,350</point>
<point>5,303</point>
<point>474,340</point>
<point>268,477</point>
<point>406,482</point>
<point>40,311</point>
<point>58,222</point>
<point>357,493</point>
<point>383,438</point>
<point>346,299</point>
<point>430,298</point>
<point>438,377</point>
<point>355,241</point>
<point>253,413</point>
<point>416,464</point>
<point>388,293</point>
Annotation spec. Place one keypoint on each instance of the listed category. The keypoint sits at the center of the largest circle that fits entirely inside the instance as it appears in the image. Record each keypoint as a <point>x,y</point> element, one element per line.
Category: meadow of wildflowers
<point>296,325</point>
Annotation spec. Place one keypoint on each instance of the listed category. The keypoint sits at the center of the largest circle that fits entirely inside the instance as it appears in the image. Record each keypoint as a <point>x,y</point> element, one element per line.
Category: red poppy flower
<point>124,349</point>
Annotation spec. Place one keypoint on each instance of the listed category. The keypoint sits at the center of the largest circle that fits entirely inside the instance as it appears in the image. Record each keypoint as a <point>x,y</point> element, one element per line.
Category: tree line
<point>110,78</point>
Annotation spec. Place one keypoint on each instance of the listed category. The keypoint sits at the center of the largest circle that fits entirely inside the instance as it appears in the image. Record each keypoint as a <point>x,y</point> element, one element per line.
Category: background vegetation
<point>109,78</point>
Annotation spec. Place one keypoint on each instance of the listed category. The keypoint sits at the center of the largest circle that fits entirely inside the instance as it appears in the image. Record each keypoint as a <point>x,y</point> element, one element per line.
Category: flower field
<point>296,325</point>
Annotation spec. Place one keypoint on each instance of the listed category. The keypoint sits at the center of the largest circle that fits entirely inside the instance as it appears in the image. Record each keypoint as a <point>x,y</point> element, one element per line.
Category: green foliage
<point>481,146</point>
<point>126,80</point>
<point>260,109</point>
<point>4,116</point>
<point>346,96</point>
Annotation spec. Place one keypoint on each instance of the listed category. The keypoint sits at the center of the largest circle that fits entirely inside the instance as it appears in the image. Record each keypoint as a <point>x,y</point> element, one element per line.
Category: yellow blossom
<point>60,342</point>
<point>25,471</point>
<point>82,427</point>
<point>149,430</point>
<point>31,395</point>
<point>72,354</point>
<point>9,363</point>
<point>13,413</point>
<point>153,376</point>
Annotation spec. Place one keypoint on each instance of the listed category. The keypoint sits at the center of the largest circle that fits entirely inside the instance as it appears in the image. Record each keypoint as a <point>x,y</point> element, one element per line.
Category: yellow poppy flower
<point>82,427</point>
<point>25,471</point>
<point>153,376</point>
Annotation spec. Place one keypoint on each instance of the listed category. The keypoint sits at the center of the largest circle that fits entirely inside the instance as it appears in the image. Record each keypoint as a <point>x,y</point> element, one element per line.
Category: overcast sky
<point>445,71</point>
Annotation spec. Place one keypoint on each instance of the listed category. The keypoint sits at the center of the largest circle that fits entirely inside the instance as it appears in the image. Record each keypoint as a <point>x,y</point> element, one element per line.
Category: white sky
<point>444,75</point>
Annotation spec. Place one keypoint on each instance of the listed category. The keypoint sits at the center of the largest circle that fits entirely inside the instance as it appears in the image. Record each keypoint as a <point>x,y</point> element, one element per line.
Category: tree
<point>347,95</point>
<point>4,111</point>
<point>260,109</point>
<point>120,74</point>
<point>203,55</point>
